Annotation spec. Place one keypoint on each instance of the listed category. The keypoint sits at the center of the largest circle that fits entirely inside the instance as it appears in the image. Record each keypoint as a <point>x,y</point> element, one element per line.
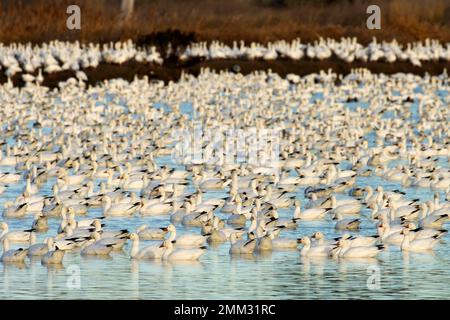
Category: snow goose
<point>97,248</point>
<point>282,243</point>
<point>150,252</point>
<point>431,221</point>
<point>313,251</point>
<point>188,239</point>
<point>54,255</point>
<point>37,249</point>
<point>12,255</point>
<point>345,224</point>
<point>146,233</point>
<point>346,250</point>
<point>360,241</point>
<point>312,213</point>
<point>40,223</point>
<point>172,254</point>
<point>16,236</point>
<point>9,177</point>
<point>15,211</point>
<point>419,244</point>
<point>348,207</point>
<point>242,246</point>
<point>119,209</point>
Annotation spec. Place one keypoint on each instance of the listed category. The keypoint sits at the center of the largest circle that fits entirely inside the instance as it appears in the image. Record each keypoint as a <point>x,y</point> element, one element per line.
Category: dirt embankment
<point>171,71</point>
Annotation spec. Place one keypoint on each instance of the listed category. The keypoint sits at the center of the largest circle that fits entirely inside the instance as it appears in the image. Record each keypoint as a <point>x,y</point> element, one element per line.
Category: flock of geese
<point>33,61</point>
<point>346,49</point>
<point>349,155</point>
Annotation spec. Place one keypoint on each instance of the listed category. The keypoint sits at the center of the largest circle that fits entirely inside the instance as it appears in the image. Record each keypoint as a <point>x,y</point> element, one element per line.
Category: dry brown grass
<point>249,20</point>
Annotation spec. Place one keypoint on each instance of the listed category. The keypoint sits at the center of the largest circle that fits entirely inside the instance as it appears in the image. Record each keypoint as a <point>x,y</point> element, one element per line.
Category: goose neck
<point>134,248</point>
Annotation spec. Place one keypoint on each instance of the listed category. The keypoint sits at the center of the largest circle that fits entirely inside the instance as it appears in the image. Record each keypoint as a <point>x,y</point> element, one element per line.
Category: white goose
<point>187,240</point>
<point>172,254</point>
<point>417,245</point>
<point>146,233</point>
<point>242,246</point>
<point>346,250</point>
<point>12,255</point>
<point>313,251</point>
<point>149,252</point>
<point>14,236</point>
<point>119,209</point>
<point>345,224</point>
<point>54,255</point>
<point>312,213</point>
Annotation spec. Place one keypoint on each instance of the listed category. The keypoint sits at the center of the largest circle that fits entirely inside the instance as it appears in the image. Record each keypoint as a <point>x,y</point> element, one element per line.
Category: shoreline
<point>172,70</point>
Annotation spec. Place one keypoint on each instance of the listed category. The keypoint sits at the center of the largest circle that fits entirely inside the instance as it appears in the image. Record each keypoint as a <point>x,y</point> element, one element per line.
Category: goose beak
<point>164,229</point>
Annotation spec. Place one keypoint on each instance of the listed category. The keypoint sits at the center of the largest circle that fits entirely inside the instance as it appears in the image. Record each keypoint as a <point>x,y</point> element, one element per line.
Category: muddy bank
<point>171,71</point>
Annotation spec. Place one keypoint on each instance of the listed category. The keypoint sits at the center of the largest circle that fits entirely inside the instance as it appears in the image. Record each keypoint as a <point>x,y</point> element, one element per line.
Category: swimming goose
<point>282,243</point>
<point>360,241</point>
<point>431,221</point>
<point>40,223</point>
<point>348,207</point>
<point>345,224</point>
<point>149,252</point>
<point>117,242</point>
<point>9,177</point>
<point>153,209</point>
<point>12,255</point>
<point>346,250</point>
<point>312,213</point>
<point>242,246</point>
<point>423,233</point>
<point>146,233</point>
<point>188,240</point>
<point>14,236</point>
<point>97,248</point>
<point>119,209</point>
<point>313,251</point>
<point>171,254</point>
<point>319,237</point>
<point>14,211</point>
<point>54,255</point>
<point>37,249</point>
<point>419,244</point>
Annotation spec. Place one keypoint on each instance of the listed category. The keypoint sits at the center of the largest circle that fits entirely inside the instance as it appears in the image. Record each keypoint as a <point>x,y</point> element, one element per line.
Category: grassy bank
<point>249,20</point>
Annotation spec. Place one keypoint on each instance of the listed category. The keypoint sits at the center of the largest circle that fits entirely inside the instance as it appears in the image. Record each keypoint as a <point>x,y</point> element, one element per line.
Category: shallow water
<point>278,275</point>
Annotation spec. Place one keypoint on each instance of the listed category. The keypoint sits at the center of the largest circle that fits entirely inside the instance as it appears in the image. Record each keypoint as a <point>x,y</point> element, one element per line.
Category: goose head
<point>133,237</point>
